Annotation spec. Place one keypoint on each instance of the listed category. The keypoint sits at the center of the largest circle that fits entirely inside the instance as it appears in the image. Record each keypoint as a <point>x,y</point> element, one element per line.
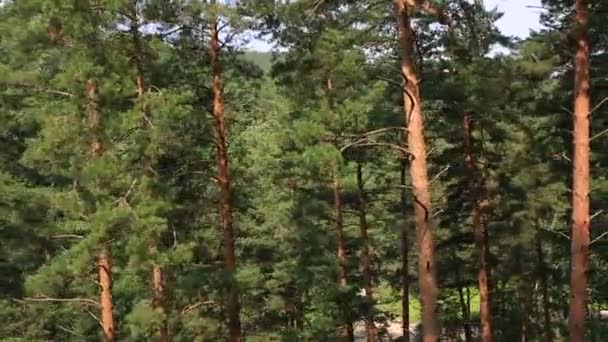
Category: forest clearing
<point>390,170</point>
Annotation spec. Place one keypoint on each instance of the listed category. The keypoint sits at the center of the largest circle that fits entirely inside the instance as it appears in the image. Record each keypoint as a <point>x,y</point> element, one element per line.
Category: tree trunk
<point>405,277</point>
<point>104,259</point>
<point>365,254</point>
<point>158,300</point>
<point>479,231</point>
<point>342,276</point>
<point>418,170</point>
<point>466,316</point>
<point>544,286</point>
<point>223,179</point>
<point>580,181</point>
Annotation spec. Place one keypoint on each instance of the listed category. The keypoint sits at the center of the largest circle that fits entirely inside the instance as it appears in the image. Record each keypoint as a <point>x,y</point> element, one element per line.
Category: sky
<point>518,19</point>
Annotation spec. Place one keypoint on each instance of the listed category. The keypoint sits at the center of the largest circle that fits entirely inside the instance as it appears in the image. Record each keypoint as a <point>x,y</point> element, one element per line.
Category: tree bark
<point>223,179</point>
<point>580,181</point>
<point>104,263</point>
<point>405,246</point>
<point>418,170</point>
<point>158,300</point>
<point>342,276</point>
<point>365,254</point>
<point>466,316</point>
<point>479,232</point>
<point>544,286</point>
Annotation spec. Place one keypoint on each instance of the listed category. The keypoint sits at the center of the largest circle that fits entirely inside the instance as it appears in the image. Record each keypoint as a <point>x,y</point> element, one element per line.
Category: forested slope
<point>158,182</point>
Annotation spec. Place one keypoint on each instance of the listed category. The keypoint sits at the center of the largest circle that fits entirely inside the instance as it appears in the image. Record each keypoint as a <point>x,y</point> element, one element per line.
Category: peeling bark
<point>418,171</point>
<point>580,181</point>
<point>223,179</point>
<point>104,263</point>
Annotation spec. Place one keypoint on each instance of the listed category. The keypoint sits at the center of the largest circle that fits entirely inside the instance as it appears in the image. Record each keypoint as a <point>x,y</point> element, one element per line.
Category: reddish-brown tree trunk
<point>580,179</point>
<point>405,246</point>
<point>223,179</point>
<point>365,253</point>
<point>544,287</point>
<point>418,171</point>
<point>104,262</point>
<point>477,200</point>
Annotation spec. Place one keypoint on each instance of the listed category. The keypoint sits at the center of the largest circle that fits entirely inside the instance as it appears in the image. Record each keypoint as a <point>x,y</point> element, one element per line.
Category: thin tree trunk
<point>158,300</point>
<point>104,259</point>
<point>580,184</point>
<point>342,276</point>
<point>349,332</point>
<point>405,277</point>
<point>418,169</point>
<point>223,179</point>
<point>524,296</point>
<point>544,286</point>
<point>466,316</point>
<point>365,254</point>
<point>483,273</point>
<point>468,301</point>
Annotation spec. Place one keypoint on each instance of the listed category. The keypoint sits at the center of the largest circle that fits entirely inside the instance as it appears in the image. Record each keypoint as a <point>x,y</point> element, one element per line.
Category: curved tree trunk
<point>372,333</point>
<point>104,262</point>
<point>223,179</point>
<point>479,232</point>
<point>418,171</point>
<point>580,181</point>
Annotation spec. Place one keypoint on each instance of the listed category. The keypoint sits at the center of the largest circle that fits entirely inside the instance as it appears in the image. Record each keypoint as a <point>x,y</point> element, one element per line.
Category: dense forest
<point>393,170</point>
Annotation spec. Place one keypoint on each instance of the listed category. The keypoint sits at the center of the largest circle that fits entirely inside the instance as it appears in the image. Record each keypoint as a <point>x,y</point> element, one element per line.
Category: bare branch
<point>595,215</point>
<point>67,236</point>
<point>599,134</point>
<point>69,331</point>
<point>445,169</point>
<point>598,105</point>
<point>557,232</point>
<point>598,238</point>
<point>122,201</point>
<point>191,307</point>
<point>382,130</point>
<point>371,144</point>
<point>84,301</point>
<point>435,214</point>
<point>42,90</point>
<point>95,317</point>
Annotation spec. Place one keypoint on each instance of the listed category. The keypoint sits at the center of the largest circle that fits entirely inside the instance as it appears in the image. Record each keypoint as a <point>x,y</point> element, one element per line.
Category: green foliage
<point>298,119</point>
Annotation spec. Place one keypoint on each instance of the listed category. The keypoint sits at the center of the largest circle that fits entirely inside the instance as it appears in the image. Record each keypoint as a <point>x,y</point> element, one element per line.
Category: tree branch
<point>445,169</point>
<point>598,135</point>
<point>598,105</point>
<point>595,215</point>
<point>84,301</point>
<point>67,236</point>
<point>42,90</point>
<point>191,307</point>
<point>371,144</point>
<point>598,238</point>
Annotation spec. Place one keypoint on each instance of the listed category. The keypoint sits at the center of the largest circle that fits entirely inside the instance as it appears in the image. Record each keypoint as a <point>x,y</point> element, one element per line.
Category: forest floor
<point>390,330</point>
